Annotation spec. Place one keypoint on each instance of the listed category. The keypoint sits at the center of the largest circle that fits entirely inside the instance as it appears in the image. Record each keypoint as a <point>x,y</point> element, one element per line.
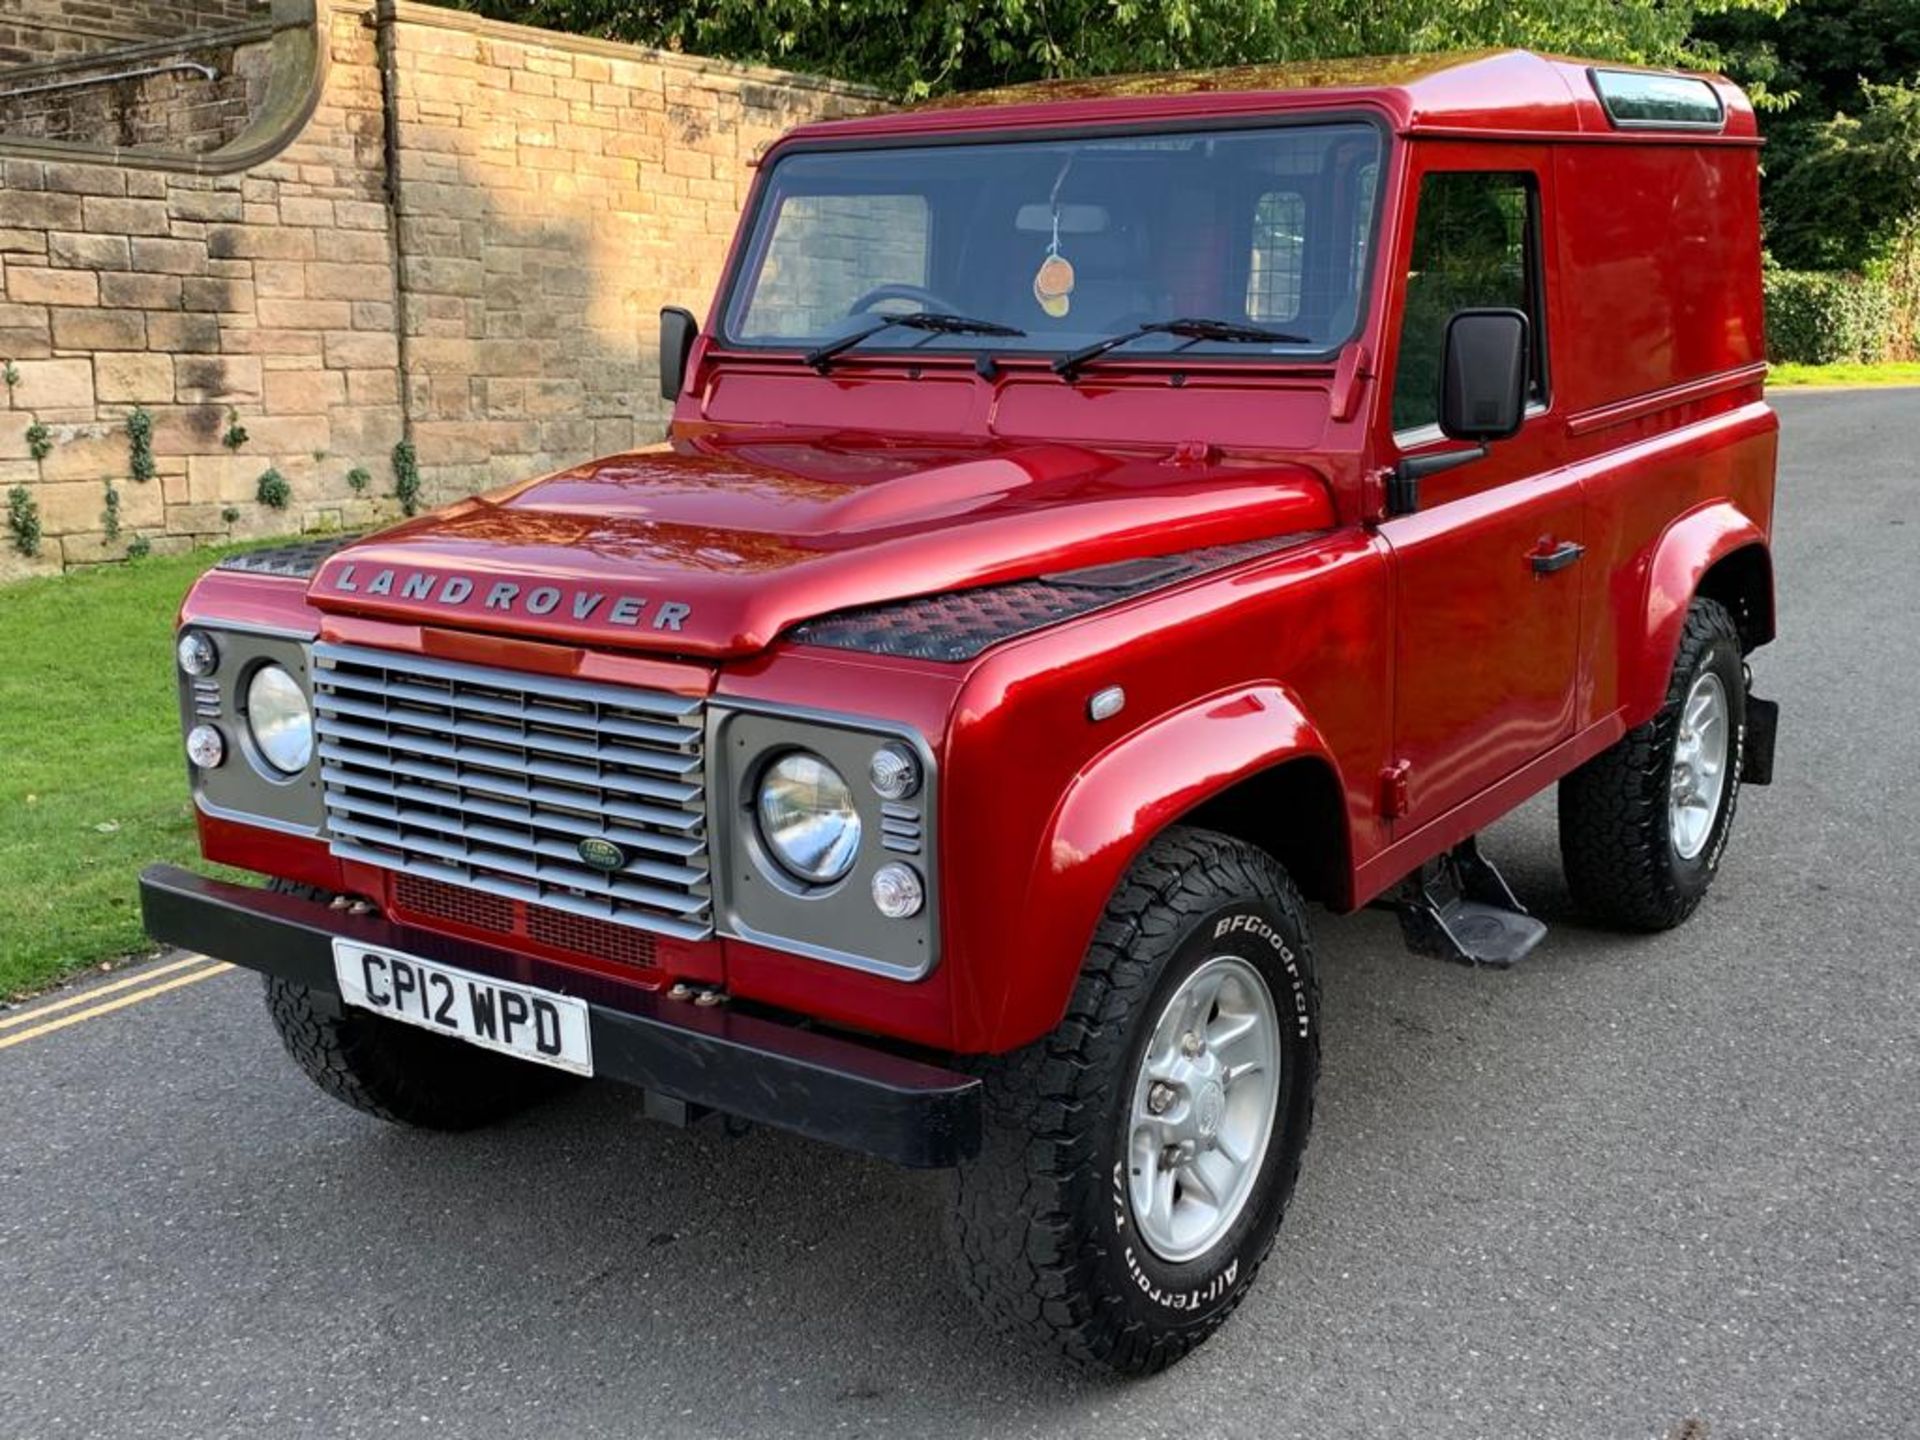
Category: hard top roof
<point>1488,94</point>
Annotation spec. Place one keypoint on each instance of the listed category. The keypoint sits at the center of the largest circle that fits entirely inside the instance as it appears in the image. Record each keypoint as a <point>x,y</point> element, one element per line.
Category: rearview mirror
<point>1483,384</point>
<point>678,331</point>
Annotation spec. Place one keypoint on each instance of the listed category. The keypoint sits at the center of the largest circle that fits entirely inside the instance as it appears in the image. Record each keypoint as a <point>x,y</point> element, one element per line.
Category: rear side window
<point>1475,243</point>
<point>1279,250</point>
<point>827,251</point>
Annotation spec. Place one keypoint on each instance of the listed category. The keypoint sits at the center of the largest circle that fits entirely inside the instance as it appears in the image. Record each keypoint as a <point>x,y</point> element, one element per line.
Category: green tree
<point>914,49</point>
<point>1850,185</point>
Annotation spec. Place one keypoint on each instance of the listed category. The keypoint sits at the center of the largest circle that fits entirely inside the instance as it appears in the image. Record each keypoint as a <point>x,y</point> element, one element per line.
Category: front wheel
<point>1137,1162</point>
<point>1644,823</point>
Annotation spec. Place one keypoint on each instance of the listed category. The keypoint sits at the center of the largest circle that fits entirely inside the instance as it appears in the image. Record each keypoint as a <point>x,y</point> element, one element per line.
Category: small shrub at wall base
<point>273,491</point>
<point>406,477</point>
<point>110,517</point>
<point>1819,318</point>
<point>140,445</point>
<point>231,515</point>
<point>139,548</point>
<point>39,441</point>
<point>23,520</point>
<point>358,479</point>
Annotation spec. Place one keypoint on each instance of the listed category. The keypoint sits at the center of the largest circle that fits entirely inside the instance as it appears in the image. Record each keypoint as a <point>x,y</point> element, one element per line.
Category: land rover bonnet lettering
<point>506,596</point>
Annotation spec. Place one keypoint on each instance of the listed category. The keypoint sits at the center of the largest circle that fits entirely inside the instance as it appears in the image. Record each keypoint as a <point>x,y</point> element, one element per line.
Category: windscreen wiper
<point>934,321</point>
<point>1192,329</point>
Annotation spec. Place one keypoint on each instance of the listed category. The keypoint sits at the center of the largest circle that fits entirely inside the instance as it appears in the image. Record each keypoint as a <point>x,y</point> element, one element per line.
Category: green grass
<point>92,782</point>
<point>1898,372</point>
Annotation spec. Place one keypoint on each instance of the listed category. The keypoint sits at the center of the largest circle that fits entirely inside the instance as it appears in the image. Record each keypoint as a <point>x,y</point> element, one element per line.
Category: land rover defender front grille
<point>492,778</point>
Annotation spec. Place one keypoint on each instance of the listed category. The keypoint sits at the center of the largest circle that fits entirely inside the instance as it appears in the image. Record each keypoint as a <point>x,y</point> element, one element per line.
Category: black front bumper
<point>822,1086</point>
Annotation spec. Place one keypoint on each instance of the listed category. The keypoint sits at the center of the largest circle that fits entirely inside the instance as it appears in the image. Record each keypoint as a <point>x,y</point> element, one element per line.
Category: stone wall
<point>467,247</point>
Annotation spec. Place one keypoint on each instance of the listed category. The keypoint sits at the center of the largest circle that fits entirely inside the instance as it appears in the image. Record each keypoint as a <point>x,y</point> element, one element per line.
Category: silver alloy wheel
<point>1699,776</point>
<point>1204,1101</point>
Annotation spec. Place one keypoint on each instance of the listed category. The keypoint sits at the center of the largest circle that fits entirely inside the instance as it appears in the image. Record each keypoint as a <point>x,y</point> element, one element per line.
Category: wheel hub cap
<point>1204,1102</point>
<point>1698,779</point>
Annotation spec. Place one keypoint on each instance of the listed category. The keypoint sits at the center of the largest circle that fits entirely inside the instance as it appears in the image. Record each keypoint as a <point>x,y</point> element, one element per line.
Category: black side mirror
<point>1483,382</point>
<point>678,331</point>
<point>1483,397</point>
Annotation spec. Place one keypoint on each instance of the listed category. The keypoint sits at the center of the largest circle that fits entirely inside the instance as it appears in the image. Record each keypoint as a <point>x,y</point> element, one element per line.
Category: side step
<point>1458,908</point>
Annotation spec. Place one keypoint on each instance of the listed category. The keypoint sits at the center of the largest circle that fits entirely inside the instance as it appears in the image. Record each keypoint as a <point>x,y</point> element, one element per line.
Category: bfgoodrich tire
<point>1109,1217</point>
<point>1639,853</point>
<point>396,1072</point>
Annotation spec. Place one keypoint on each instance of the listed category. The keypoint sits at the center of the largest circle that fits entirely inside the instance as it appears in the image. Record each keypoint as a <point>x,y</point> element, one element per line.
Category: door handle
<point>1546,562</point>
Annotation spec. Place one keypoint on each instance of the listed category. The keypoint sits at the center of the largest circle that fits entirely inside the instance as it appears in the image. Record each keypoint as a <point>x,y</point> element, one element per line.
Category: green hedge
<point>1818,317</point>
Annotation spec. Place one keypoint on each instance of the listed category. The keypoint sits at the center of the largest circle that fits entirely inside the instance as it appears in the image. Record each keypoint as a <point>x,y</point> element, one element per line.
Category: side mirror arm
<point>1403,484</point>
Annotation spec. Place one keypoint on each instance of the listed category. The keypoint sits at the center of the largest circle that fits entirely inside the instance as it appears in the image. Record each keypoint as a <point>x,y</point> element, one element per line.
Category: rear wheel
<point>1643,825</point>
<point>397,1072</point>
<point>1137,1161</point>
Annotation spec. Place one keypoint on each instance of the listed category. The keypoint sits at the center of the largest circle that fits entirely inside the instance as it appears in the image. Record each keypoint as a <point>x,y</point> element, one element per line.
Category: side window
<point>1279,252</point>
<point>1475,243</point>
<point>827,251</point>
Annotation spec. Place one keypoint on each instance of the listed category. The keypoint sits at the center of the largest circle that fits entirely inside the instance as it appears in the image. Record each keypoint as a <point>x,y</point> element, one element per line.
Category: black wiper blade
<point>1188,328</point>
<point>934,321</point>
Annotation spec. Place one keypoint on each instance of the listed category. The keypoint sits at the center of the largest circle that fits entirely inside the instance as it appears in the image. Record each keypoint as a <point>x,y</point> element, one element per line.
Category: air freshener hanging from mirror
<point>1053,282</point>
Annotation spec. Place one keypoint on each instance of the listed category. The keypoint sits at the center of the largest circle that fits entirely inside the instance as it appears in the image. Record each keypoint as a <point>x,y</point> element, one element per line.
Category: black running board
<point>1458,908</point>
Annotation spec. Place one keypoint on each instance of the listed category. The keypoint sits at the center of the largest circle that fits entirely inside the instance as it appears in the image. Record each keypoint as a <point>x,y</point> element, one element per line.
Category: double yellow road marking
<point>89,1003</point>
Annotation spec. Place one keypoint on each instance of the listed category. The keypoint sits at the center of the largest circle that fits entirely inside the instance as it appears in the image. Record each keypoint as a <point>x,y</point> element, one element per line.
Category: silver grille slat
<point>489,778</point>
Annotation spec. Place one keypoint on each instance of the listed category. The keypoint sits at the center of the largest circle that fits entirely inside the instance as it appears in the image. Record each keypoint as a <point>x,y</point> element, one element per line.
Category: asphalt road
<point>1635,1183</point>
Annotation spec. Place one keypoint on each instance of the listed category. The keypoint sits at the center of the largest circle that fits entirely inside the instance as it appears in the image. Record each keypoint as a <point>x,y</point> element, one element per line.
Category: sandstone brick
<point>305,210</point>
<point>327,280</point>
<point>207,206</point>
<point>170,257</point>
<point>305,314</point>
<point>42,286</point>
<point>135,291</point>
<point>198,334</point>
<point>107,216</point>
<point>259,242</point>
<point>220,295</point>
<point>54,385</point>
<point>350,350</point>
<point>190,430</point>
<point>70,506</point>
<point>23,242</point>
<point>373,387</point>
<point>364,430</point>
<point>303,392</point>
<point>132,378</point>
<point>91,252</point>
<point>30,210</point>
<point>86,179</point>
<point>98,329</point>
<point>95,456</point>
<point>222,379</point>
<point>289,435</point>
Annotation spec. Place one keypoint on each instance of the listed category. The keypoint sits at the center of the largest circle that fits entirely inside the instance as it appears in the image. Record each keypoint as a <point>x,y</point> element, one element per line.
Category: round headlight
<point>197,655</point>
<point>807,819</point>
<point>279,719</point>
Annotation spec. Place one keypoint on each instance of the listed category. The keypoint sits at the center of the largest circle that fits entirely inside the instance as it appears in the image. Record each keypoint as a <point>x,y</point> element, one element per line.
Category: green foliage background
<point>914,49</point>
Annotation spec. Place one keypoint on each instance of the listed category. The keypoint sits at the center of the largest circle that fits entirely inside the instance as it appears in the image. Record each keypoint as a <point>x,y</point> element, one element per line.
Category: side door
<point>1486,625</point>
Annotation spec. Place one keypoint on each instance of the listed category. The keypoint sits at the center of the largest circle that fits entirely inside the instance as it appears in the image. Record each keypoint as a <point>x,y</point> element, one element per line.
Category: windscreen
<point>1067,241</point>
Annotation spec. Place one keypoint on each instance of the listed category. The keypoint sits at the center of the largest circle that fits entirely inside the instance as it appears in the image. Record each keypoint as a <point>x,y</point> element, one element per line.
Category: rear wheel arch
<point>1742,581</point>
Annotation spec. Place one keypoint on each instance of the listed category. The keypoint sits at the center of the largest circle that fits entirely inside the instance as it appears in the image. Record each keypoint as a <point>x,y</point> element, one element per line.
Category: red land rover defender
<point>1099,519</point>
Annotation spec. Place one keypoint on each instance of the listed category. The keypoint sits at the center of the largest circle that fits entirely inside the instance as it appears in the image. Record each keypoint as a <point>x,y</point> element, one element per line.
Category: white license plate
<point>516,1020</point>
